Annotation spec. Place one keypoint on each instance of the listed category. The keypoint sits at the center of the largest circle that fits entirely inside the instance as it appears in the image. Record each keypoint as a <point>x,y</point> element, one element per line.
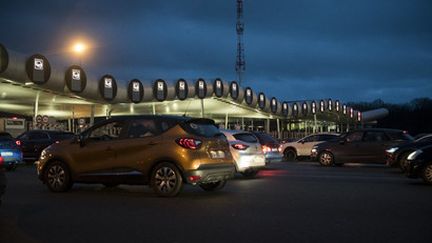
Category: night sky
<point>302,49</point>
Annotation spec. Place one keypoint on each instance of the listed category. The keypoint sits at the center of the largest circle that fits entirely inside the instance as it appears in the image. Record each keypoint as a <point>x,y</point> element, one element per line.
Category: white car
<point>246,151</point>
<point>303,147</point>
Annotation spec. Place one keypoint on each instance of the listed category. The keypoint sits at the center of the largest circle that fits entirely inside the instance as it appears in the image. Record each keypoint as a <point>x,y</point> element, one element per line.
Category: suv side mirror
<point>302,141</point>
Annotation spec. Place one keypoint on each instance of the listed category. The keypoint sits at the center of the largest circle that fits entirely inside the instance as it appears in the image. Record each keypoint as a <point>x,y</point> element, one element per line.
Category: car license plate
<point>274,149</point>
<point>217,154</point>
<point>6,154</point>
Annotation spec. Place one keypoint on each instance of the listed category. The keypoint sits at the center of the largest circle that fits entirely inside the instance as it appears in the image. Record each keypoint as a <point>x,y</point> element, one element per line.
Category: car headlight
<point>415,154</point>
<point>392,150</point>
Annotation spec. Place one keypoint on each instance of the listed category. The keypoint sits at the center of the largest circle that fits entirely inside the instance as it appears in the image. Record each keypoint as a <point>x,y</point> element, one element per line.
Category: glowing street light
<point>79,48</point>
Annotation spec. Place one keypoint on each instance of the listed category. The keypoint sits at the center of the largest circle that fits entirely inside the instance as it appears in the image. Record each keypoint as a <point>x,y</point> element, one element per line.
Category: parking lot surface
<point>287,202</point>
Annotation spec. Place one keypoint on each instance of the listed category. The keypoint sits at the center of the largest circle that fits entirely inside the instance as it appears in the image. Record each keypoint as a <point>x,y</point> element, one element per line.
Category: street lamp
<point>79,48</point>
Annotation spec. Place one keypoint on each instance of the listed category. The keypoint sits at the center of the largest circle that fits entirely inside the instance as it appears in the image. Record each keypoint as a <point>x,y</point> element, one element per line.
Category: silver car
<point>246,151</point>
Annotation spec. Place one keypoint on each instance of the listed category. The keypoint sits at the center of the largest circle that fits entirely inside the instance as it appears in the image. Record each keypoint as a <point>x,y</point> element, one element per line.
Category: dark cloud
<point>299,49</point>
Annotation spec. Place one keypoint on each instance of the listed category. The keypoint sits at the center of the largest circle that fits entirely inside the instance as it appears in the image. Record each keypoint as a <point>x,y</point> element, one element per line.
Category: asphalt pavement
<point>287,202</point>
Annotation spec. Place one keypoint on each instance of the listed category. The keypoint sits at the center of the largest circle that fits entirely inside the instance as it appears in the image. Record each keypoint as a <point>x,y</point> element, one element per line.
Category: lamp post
<point>79,48</point>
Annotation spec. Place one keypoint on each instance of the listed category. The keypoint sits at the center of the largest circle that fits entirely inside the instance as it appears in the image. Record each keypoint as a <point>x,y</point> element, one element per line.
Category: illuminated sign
<point>330,105</point>
<point>313,105</point>
<point>337,106</point>
<point>295,109</point>
<point>285,108</point>
<point>108,87</point>
<point>181,89</point>
<point>38,64</point>
<point>135,91</point>
<point>304,108</point>
<point>274,105</point>
<point>201,89</point>
<point>344,109</point>
<point>38,69</point>
<point>159,90</point>
<point>234,90</point>
<point>248,97</point>
<point>261,101</point>
<point>218,88</point>
<point>322,106</point>
<point>76,79</point>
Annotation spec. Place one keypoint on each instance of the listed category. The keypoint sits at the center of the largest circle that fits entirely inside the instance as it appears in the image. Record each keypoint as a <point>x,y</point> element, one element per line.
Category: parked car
<point>33,142</point>
<point>397,156</point>
<point>419,164</point>
<point>270,146</point>
<point>10,152</point>
<point>246,151</point>
<point>162,151</point>
<point>5,135</point>
<point>362,146</point>
<point>2,179</point>
<point>302,147</point>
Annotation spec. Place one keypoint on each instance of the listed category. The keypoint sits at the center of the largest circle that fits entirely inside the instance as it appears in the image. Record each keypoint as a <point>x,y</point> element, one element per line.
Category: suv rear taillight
<point>189,143</point>
<point>1,162</point>
<point>240,146</point>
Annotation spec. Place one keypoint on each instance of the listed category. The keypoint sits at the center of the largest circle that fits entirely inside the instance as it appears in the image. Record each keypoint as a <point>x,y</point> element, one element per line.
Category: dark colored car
<point>397,156</point>
<point>2,179</point>
<point>419,164</point>
<point>5,135</point>
<point>162,151</point>
<point>10,152</point>
<point>33,142</point>
<point>362,146</point>
<point>270,146</point>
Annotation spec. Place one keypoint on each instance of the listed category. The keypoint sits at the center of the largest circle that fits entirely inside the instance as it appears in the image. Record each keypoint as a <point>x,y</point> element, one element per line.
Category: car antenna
<point>187,108</point>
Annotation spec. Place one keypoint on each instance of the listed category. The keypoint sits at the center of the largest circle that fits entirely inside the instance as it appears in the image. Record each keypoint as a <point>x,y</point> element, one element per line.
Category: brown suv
<point>163,151</point>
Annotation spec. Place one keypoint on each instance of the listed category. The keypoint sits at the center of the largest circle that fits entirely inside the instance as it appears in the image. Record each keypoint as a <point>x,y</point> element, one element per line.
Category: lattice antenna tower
<point>240,60</point>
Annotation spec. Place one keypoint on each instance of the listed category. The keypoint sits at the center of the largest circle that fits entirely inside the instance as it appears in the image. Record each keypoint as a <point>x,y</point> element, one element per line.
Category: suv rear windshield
<point>246,137</point>
<point>265,138</point>
<point>400,136</point>
<point>201,127</point>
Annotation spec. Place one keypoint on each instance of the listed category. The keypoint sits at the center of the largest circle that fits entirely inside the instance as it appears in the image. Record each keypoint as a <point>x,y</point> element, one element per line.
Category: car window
<point>110,131</point>
<point>62,136</point>
<point>375,137</point>
<point>38,136</point>
<point>400,136</point>
<point>201,127</point>
<point>354,137</point>
<point>326,137</point>
<point>246,137</point>
<point>143,128</point>
<point>310,139</point>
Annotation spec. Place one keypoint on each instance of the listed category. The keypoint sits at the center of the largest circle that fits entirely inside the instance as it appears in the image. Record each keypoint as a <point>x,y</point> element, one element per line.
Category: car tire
<point>427,173</point>
<point>57,177</point>
<point>403,161</point>
<point>166,180</point>
<point>249,173</point>
<point>290,155</point>
<point>213,186</point>
<point>326,159</point>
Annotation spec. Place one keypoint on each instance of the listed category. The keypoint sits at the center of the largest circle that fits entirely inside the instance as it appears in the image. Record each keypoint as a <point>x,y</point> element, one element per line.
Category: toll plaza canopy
<point>32,85</point>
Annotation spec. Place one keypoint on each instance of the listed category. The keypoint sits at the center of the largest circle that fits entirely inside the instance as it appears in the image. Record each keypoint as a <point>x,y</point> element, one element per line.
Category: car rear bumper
<point>207,173</point>
<point>250,162</point>
<point>273,157</point>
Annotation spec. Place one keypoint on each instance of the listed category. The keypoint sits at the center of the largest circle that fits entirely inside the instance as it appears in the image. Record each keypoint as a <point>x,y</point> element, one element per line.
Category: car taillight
<point>266,149</point>
<point>1,162</point>
<point>240,146</point>
<point>189,143</point>
<point>18,142</point>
